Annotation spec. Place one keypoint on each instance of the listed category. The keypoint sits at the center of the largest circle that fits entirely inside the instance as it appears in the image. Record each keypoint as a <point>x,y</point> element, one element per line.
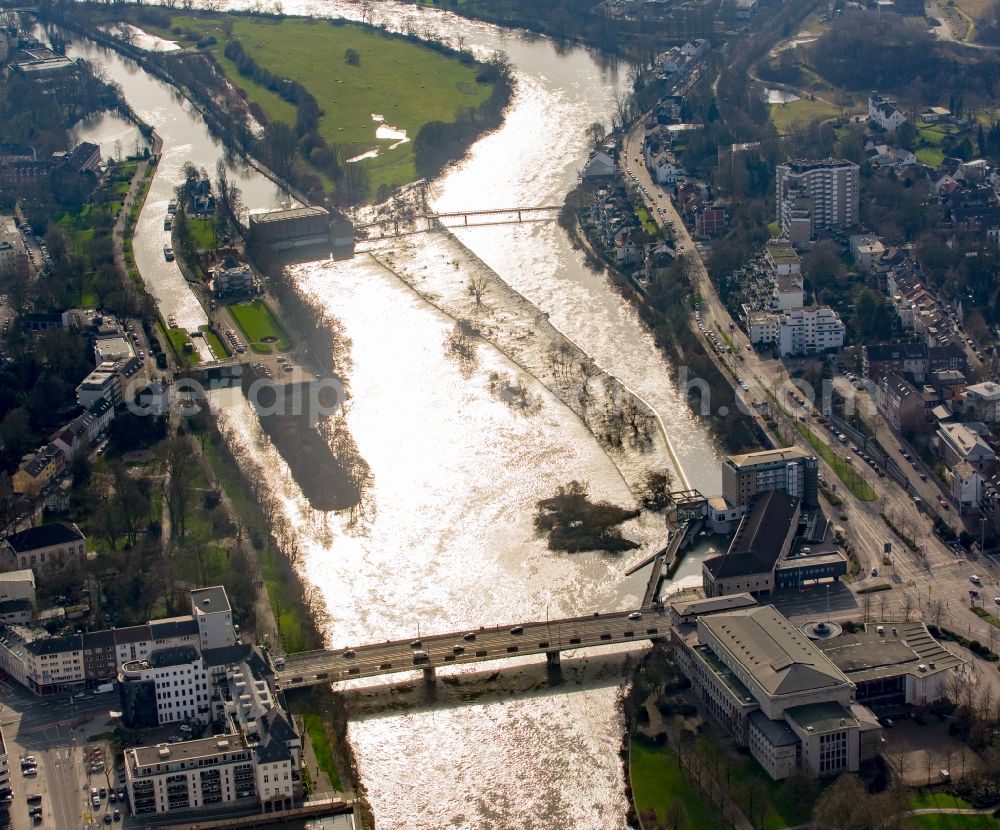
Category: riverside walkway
<point>549,637</point>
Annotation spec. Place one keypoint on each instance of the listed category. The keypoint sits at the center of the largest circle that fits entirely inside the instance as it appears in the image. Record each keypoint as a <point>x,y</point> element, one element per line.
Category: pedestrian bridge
<point>549,637</point>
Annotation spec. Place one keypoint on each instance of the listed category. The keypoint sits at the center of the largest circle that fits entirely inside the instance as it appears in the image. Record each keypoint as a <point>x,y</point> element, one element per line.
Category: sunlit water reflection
<point>448,541</point>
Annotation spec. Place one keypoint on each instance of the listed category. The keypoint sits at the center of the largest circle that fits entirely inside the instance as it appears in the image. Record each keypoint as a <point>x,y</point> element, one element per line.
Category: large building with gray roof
<point>775,690</point>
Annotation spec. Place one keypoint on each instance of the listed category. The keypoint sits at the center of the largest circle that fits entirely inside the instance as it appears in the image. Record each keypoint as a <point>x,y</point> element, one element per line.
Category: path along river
<point>446,539</point>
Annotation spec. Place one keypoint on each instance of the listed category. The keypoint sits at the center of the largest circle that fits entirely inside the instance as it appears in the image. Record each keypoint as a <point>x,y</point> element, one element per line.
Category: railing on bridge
<point>428,221</point>
<point>549,637</point>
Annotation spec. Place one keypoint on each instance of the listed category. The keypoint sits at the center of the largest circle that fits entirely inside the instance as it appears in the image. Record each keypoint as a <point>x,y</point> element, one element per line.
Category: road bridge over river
<point>549,637</point>
<point>422,222</point>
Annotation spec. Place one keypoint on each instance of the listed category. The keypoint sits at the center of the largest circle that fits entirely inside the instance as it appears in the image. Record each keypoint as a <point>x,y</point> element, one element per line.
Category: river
<point>446,540</point>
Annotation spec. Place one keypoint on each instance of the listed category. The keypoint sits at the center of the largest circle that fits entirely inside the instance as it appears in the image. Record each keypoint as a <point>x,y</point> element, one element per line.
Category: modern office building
<point>789,469</point>
<point>814,196</point>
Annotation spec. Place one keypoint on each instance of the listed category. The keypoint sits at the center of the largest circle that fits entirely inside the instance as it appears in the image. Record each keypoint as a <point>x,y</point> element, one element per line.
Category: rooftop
<point>901,648</point>
<point>760,537</point>
<point>782,252</point>
<point>712,604</point>
<point>773,651</point>
<point>750,459</point>
<point>209,600</point>
<point>44,536</point>
<point>777,732</point>
<point>285,215</point>
<point>822,717</point>
<point>148,756</point>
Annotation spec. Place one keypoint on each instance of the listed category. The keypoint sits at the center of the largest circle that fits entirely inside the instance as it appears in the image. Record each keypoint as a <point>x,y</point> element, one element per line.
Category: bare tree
<point>478,286</point>
<point>907,604</point>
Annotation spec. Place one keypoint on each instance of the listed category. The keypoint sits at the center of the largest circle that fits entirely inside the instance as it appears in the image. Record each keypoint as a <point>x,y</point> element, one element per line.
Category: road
<point>499,642</point>
<point>53,730</point>
<point>934,568</point>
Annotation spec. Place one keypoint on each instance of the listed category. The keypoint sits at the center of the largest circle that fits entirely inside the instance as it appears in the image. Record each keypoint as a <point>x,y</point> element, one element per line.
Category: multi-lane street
<point>500,642</point>
<point>54,732</point>
<point>935,577</point>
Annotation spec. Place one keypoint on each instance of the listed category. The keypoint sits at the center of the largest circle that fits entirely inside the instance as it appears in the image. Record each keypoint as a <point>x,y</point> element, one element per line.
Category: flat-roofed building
<point>892,664</point>
<point>790,469</point>
<point>170,686</point>
<point>982,402</point>
<point>815,196</point>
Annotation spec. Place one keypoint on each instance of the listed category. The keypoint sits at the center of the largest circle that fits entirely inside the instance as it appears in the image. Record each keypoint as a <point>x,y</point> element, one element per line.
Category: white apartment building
<point>814,196</point>
<point>173,680</point>
<point>982,402</point>
<point>255,759</point>
<point>781,258</point>
<point>13,256</point>
<point>762,327</point>
<point>810,330</point>
<point>867,250</point>
<point>214,616</point>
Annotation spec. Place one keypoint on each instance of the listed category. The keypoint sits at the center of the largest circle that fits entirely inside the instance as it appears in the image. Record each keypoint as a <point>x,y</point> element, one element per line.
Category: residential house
<point>966,485</point>
<point>900,403</point>
<point>958,443</point>
<point>37,470</point>
<point>867,250</point>
<point>710,221</point>
<point>884,113</point>
<point>599,165</point>
<point>46,545</point>
<point>981,402</point>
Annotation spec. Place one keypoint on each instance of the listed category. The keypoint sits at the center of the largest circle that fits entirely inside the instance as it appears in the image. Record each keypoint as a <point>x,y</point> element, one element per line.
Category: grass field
<point>406,83</point>
<point>179,339</point>
<point>931,156</point>
<point>215,343</point>
<point>202,233</point>
<point>648,225</point>
<point>260,326</point>
<point>845,472</point>
<point>321,746</point>
<point>782,808</point>
<point>657,780</point>
<point>784,115</point>
<point>924,799</point>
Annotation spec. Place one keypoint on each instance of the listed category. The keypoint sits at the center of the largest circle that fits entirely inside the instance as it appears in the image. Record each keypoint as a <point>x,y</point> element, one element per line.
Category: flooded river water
<point>446,541</point>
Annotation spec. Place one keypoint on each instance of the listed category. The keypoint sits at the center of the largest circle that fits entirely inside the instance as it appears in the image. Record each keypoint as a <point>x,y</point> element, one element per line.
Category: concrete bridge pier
<point>430,675</point>
<point>552,658</point>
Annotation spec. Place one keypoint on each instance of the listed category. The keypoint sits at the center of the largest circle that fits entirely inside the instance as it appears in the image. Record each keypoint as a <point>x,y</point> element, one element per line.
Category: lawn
<point>202,233</point>
<point>178,340</point>
<point>408,84</point>
<point>648,225</point>
<point>845,472</point>
<point>321,746</point>
<point>785,807</point>
<point>931,156</point>
<point>804,111</point>
<point>215,343</point>
<point>951,821</point>
<point>657,780</point>
<point>260,326</point>
<point>924,799</point>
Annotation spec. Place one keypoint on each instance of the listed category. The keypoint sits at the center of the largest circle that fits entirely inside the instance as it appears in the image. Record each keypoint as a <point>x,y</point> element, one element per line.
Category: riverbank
<point>485,307</point>
<point>375,129</point>
<point>666,312</point>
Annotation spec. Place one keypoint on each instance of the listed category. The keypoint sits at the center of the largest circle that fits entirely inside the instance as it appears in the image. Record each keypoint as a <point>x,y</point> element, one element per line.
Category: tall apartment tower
<point>814,196</point>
